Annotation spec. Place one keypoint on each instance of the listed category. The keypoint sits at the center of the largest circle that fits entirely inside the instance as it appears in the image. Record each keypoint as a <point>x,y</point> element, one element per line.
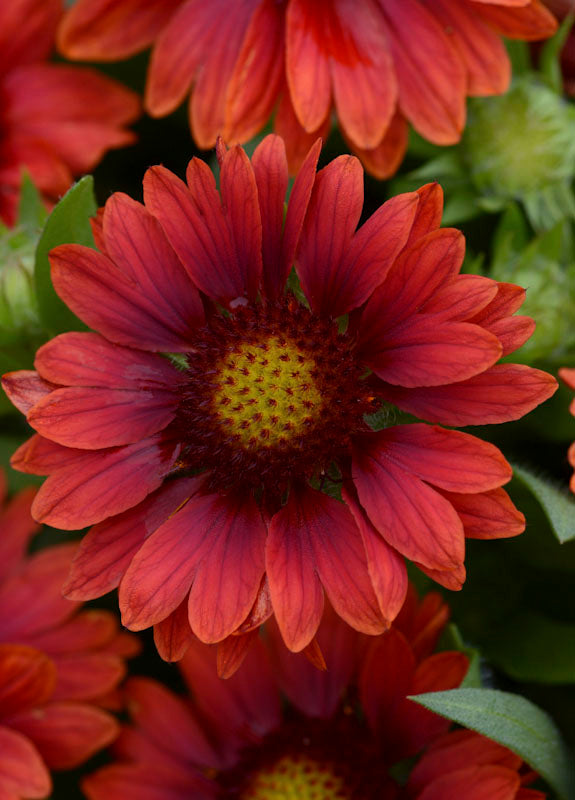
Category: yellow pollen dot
<point>296,777</point>
<point>266,392</point>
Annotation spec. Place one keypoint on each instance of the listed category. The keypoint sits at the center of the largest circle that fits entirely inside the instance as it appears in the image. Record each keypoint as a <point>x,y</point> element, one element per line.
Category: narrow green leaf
<point>68,223</point>
<point>32,212</point>
<point>558,506</point>
<point>549,62</point>
<point>514,722</point>
<point>453,640</point>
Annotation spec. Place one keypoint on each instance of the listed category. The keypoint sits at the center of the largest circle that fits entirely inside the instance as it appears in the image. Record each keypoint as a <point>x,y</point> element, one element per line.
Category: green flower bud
<point>19,317</point>
<point>521,146</point>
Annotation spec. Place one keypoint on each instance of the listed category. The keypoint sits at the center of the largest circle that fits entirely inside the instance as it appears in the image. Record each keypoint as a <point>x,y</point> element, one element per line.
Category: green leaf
<point>558,506</point>
<point>31,211</point>
<point>549,62</point>
<point>535,648</point>
<point>514,722</point>
<point>68,223</point>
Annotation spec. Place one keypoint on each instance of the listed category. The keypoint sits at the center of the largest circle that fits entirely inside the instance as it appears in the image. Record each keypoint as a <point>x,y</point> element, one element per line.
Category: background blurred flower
<point>184,463</point>
<point>57,664</point>
<point>339,735</point>
<point>56,121</point>
<point>379,63</point>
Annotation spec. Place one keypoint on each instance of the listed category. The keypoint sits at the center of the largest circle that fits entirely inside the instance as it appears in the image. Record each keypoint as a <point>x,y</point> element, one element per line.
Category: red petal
<point>87,359</point>
<point>258,74</point>
<point>502,393</point>
<point>67,734</point>
<point>409,514</point>
<point>22,771</point>
<point>295,588</point>
<point>361,67</point>
<point>25,388</point>
<point>385,679</point>
<point>88,676</point>
<point>333,214</point>
<point>147,781</point>
<point>488,515</point>
<point>172,636</point>
<point>307,65</point>
<point>386,568</point>
<point>167,721</point>
<point>340,560</point>
<point>107,549</point>
<point>371,253</point>
<point>27,29</point>
<point>480,49</point>
<point>421,271</point>
<point>93,418</point>
<point>18,528</point>
<point>31,601</point>
<point>27,679</point>
<point>76,112</point>
<point>115,303</point>
<point>384,159</point>
<point>99,484</point>
<point>107,30</point>
<point>474,783</point>
<point>297,140</point>
<point>532,22</point>
<point>229,576</point>
<point>39,456</point>
<point>431,90</point>
<point>428,351</point>
<point>232,652</point>
<point>451,460</point>
<point>463,297</point>
<point>190,547</point>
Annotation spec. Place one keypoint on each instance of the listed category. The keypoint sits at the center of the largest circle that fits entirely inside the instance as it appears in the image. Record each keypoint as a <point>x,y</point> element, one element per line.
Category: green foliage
<point>558,506</point>
<point>514,722</point>
<point>68,223</point>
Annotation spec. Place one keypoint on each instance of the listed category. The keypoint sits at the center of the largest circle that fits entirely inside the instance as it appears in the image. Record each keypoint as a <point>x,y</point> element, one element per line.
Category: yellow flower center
<point>266,392</point>
<point>296,777</point>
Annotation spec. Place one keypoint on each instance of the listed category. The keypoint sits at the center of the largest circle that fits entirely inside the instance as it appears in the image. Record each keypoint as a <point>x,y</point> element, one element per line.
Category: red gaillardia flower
<point>568,375</point>
<point>56,121</point>
<point>379,63</point>
<point>203,469</point>
<point>337,737</point>
<point>56,664</point>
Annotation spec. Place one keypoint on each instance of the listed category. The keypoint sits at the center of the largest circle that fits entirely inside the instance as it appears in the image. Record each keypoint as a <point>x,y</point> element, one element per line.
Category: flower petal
<point>99,484</point>
<point>410,515</point>
<point>93,418</point>
<point>67,734</point>
<point>173,635</point>
<point>452,460</point>
<point>488,515</point>
<point>295,587</point>
<point>27,677</point>
<point>25,388</point>
<point>22,771</point>
<point>334,211</point>
<point>502,393</point>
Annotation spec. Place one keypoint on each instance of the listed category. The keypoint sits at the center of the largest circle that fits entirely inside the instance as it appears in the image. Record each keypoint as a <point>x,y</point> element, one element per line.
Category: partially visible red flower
<point>379,64</point>
<point>463,764</point>
<point>340,733</point>
<point>56,121</point>
<point>57,664</point>
<point>203,472</point>
<point>568,375</point>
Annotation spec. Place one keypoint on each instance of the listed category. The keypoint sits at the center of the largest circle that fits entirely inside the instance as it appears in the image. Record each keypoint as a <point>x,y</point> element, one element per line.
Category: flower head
<point>337,737</point>
<point>568,376</point>
<point>208,473</point>
<point>57,664</point>
<point>56,121</point>
<point>378,63</point>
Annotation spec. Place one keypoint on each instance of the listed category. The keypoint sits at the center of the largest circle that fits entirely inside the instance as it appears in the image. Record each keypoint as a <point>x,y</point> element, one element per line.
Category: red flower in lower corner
<point>378,64</point>
<point>57,664</point>
<point>339,736</point>
<point>207,471</point>
<point>568,376</point>
<point>56,121</point>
